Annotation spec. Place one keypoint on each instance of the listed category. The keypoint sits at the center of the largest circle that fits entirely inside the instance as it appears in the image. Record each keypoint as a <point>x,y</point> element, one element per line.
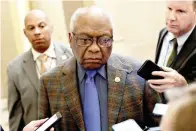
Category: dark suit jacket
<point>185,62</point>
<point>127,99</point>
<point>23,87</point>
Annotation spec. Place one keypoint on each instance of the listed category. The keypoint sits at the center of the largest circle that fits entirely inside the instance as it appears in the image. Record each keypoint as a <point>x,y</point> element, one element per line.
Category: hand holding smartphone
<point>147,68</point>
<point>50,122</point>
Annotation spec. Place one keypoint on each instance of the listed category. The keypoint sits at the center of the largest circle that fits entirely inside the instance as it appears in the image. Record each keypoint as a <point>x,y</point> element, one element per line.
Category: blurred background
<point>136,27</point>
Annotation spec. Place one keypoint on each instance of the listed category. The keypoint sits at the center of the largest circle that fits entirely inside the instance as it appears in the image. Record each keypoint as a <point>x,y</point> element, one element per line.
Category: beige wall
<point>11,38</point>
<point>137,24</point>
<point>70,6</point>
<point>55,12</point>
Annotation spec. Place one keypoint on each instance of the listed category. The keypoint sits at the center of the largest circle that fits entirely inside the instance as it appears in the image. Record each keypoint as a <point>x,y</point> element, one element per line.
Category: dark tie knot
<point>91,74</point>
<point>175,42</point>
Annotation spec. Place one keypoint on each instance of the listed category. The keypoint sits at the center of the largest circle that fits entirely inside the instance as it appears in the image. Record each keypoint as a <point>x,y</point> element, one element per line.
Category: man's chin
<point>92,66</point>
<point>41,48</point>
<point>172,29</point>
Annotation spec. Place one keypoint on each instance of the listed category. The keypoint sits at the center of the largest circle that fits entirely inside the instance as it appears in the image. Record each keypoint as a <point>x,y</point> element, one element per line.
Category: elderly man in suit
<point>176,46</point>
<point>94,90</point>
<point>25,70</point>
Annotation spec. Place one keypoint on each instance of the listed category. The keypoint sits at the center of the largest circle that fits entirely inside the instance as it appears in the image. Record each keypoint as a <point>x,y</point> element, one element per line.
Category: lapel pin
<point>117,79</point>
<point>64,57</point>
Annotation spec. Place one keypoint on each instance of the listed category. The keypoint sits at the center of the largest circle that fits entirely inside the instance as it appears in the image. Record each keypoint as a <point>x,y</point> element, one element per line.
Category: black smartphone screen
<point>147,68</point>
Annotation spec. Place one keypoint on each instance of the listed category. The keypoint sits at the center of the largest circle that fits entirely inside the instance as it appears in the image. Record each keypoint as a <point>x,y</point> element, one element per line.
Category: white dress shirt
<point>51,61</point>
<point>167,46</point>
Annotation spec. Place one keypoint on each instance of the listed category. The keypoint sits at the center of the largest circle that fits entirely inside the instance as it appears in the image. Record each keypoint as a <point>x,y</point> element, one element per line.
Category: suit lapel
<point>159,45</point>
<point>30,69</point>
<point>188,47</point>
<point>116,81</point>
<point>69,82</point>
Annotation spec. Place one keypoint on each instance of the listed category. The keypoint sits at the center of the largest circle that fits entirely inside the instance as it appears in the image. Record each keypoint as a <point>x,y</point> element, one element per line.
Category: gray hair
<point>88,10</point>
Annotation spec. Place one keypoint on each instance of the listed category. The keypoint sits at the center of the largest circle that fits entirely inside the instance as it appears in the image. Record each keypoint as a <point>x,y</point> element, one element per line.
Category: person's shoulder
<point>64,47</point>
<point>130,66</point>
<point>54,72</point>
<point>125,62</point>
<point>57,71</point>
<point>60,44</point>
<point>18,60</point>
<point>163,30</point>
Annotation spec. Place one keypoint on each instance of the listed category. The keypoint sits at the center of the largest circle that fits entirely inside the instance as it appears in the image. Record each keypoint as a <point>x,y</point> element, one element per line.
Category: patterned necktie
<point>42,58</point>
<point>91,108</point>
<point>173,53</point>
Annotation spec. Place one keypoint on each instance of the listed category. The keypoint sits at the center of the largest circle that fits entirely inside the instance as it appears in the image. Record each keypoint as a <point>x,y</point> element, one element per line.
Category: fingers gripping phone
<point>50,122</point>
<point>147,68</point>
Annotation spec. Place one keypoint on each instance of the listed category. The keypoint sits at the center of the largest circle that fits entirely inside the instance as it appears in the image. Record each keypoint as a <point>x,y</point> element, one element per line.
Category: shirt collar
<point>170,36</point>
<point>81,72</point>
<point>180,40</point>
<point>49,52</point>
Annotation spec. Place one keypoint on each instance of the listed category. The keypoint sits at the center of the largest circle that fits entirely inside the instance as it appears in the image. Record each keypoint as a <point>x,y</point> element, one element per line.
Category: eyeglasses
<point>102,41</point>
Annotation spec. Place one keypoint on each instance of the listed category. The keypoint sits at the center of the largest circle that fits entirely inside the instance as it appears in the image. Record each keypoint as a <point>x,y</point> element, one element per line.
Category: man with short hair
<point>25,70</point>
<point>176,46</point>
<point>95,89</point>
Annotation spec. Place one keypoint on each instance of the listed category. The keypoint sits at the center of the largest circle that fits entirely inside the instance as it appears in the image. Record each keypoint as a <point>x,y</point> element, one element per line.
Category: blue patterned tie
<point>91,103</point>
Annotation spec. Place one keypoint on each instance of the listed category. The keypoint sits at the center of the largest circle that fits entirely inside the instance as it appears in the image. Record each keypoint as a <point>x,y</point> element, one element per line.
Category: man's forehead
<point>94,22</point>
<point>35,16</point>
<point>181,4</point>
<point>33,22</point>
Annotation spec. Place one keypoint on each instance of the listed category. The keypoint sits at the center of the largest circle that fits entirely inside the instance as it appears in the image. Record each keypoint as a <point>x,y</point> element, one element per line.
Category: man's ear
<point>70,39</point>
<point>24,32</point>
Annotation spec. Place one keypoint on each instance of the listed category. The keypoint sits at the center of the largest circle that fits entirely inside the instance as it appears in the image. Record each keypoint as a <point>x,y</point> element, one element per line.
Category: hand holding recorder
<point>43,124</point>
<point>50,122</point>
<point>33,125</point>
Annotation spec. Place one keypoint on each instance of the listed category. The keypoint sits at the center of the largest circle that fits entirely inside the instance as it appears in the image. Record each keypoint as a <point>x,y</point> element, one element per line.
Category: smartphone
<point>147,68</point>
<point>50,122</point>
<point>160,109</point>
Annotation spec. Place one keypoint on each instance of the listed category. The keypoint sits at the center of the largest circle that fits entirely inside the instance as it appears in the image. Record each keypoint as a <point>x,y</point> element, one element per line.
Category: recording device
<point>160,109</point>
<point>128,125</point>
<point>50,122</point>
<point>147,68</point>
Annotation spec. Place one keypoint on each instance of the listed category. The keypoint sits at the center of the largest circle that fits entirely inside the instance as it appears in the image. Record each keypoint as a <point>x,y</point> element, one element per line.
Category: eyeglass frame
<point>110,39</point>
